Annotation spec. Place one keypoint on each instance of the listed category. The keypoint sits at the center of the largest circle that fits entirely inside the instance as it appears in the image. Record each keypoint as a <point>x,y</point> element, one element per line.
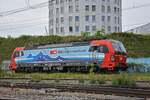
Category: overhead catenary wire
<point>23,26</point>
<point>22,21</point>
<point>14,11</point>
<point>44,4</point>
<point>136,7</point>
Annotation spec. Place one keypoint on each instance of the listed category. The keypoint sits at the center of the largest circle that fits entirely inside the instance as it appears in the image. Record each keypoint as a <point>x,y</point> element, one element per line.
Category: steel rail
<point>97,89</point>
<point>69,79</point>
<point>28,78</point>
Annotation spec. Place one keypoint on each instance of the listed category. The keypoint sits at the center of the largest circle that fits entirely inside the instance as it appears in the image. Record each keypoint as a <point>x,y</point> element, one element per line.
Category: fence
<point>139,65</point>
<point>5,65</point>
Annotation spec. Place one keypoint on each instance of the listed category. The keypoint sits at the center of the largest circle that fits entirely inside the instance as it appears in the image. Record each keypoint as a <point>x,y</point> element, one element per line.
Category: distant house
<point>144,29</point>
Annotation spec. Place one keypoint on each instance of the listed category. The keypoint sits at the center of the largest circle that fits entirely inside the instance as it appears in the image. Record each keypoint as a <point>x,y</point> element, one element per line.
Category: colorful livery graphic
<point>72,57</point>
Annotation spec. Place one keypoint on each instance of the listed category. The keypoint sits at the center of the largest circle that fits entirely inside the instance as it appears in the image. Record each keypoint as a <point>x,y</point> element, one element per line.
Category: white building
<point>144,29</point>
<point>71,17</point>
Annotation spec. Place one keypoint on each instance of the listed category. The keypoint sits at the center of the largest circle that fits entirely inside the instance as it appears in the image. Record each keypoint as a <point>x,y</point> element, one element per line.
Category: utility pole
<point>28,3</point>
<point>46,30</point>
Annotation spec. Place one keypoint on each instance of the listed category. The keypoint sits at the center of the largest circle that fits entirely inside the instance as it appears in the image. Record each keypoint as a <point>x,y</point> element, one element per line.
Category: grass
<point>92,81</point>
<point>35,79</point>
<point>81,80</point>
<point>57,80</point>
<point>137,77</point>
<point>123,82</point>
<point>101,81</point>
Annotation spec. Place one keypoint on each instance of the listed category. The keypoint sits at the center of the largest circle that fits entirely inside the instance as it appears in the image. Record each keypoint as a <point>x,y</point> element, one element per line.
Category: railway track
<point>17,78</point>
<point>97,89</point>
<point>69,79</point>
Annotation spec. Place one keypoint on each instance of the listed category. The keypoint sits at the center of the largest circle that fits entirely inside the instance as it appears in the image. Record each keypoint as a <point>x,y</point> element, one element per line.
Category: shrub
<point>91,70</point>
<point>101,81</point>
<point>81,81</point>
<point>92,81</point>
<point>17,89</point>
<point>123,81</point>
<point>85,34</point>
<point>99,33</point>
<point>57,80</point>
<point>35,79</point>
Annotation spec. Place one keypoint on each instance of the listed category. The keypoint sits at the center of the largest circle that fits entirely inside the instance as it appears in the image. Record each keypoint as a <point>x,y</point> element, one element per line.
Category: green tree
<point>85,34</point>
<point>99,33</point>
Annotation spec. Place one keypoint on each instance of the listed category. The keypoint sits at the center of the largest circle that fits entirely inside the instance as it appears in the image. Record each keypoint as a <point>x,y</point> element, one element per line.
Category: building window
<point>109,28</point>
<point>118,20</point>
<point>77,8</point>
<point>115,2</point>
<point>108,1</point>
<point>115,9</point>
<point>87,8</point>
<point>108,9</point>
<point>57,1</point>
<point>77,28</point>
<point>70,0</point>
<point>103,27</point>
<point>62,29</point>
<point>57,20</point>
<point>108,18</point>
<point>62,19</point>
<point>57,10</point>
<point>70,18</point>
<point>61,1</point>
<point>87,18</point>
<point>115,28</point>
<point>118,29</point>
<point>70,29</point>
<point>51,22</point>
<point>103,18</point>
<point>115,20</point>
<point>103,8</point>
<point>118,2</point>
<point>93,28</point>
<point>93,7</point>
<point>70,9</point>
<point>103,0</point>
<point>118,10</point>
<point>93,18</point>
<point>76,0</point>
<point>51,12</point>
<point>51,31</point>
<point>57,30</point>
<point>87,28</point>
<point>77,18</point>
<point>62,10</point>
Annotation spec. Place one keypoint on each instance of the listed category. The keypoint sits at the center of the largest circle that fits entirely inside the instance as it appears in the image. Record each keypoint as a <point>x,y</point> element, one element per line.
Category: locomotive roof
<point>65,44</point>
<point>44,46</point>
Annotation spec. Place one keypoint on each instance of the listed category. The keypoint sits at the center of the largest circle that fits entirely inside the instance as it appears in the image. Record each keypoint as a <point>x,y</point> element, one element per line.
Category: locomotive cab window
<point>18,54</point>
<point>103,49</point>
<point>93,48</point>
<point>99,48</point>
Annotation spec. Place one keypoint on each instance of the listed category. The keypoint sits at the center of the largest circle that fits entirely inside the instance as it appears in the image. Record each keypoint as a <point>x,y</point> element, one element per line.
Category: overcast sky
<point>35,22</point>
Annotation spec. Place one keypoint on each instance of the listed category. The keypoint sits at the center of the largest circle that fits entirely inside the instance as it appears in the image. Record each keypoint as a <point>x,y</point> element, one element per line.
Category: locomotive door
<point>94,53</point>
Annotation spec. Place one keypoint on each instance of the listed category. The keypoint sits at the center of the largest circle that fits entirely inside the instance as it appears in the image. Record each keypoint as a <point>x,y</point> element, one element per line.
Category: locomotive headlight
<point>112,58</point>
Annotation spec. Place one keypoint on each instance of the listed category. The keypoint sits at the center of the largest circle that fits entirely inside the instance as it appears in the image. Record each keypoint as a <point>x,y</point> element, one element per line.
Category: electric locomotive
<point>72,57</point>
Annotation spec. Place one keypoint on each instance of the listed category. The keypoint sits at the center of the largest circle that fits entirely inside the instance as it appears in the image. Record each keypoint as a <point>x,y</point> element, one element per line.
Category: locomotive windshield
<point>118,47</point>
<point>99,48</point>
<point>18,54</point>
